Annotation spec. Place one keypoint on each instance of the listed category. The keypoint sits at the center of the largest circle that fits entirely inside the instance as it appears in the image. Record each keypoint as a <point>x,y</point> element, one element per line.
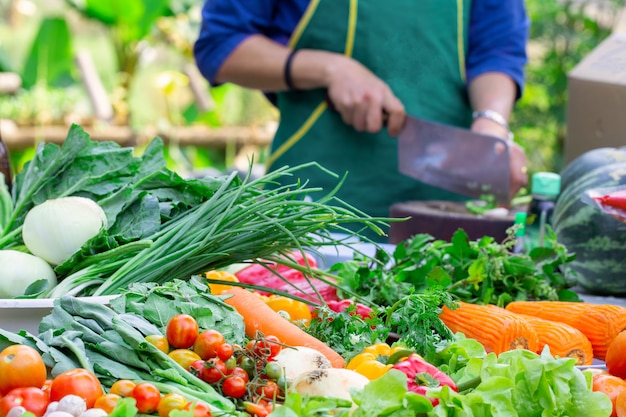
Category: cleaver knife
<point>455,159</point>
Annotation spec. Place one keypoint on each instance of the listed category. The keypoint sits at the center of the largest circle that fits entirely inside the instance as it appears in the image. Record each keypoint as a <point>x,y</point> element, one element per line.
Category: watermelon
<point>589,161</point>
<point>598,239</point>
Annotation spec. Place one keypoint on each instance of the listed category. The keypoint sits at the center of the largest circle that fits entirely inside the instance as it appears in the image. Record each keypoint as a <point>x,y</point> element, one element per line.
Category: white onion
<point>56,229</point>
<point>18,270</point>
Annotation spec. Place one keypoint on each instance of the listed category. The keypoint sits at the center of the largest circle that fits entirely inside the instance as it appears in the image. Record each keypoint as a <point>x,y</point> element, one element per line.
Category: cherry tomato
<point>147,397</point>
<point>32,399</point>
<point>240,372</point>
<point>225,351</point>
<point>268,390</point>
<point>123,388</point>
<point>107,402</point>
<point>234,386</point>
<point>616,357</point>
<point>199,409</point>
<point>181,331</point>
<point>79,382</point>
<point>260,409</point>
<point>21,366</point>
<point>268,347</point>
<point>159,341</point>
<point>273,370</point>
<point>611,385</point>
<point>196,367</point>
<point>169,402</point>
<point>184,357</point>
<point>207,344</point>
<point>214,370</point>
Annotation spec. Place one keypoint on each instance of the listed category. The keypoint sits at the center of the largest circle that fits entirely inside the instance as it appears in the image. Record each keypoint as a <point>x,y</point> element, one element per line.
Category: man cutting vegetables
<point>344,74</point>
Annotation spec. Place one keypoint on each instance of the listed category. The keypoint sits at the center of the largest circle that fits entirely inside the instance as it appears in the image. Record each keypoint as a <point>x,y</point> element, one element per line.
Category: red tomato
<point>159,341</point>
<point>611,385</point>
<point>31,398</point>
<point>269,390</point>
<point>79,382</point>
<point>620,404</point>
<point>200,409</point>
<point>208,343</point>
<point>123,387</point>
<point>107,402</point>
<point>147,397</point>
<point>225,351</point>
<point>21,366</point>
<point>181,331</point>
<point>184,357</point>
<point>240,372</point>
<point>616,356</point>
<point>260,409</point>
<point>214,370</point>
<point>169,402</point>
<point>234,386</point>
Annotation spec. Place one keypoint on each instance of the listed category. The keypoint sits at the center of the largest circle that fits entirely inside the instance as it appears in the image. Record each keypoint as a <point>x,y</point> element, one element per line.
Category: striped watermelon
<point>589,161</point>
<point>598,239</point>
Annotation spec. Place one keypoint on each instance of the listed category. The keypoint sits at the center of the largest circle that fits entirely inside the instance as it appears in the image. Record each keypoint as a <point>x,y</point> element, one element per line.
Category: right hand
<point>362,98</point>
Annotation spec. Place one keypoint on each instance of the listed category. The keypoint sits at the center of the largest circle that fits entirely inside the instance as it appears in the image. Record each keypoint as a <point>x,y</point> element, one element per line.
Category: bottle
<point>545,189</point>
<point>520,233</point>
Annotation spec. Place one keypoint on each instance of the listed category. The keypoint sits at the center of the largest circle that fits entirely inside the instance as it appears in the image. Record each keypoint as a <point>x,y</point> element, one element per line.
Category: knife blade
<point>455,159</point>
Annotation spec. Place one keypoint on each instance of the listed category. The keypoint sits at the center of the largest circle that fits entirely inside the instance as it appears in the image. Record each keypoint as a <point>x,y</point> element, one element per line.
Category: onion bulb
<point>300,359</point>
<point>57,228</point>
<point>18,270</point>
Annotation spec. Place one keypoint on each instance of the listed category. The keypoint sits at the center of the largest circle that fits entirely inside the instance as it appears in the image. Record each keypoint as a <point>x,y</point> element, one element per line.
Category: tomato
<point>220,276</point>
<point>184,357</point>
<point>159,341</point>
<point>147,397</point>
<point>260,409</point>
<point>79,382</point>
<point>123,388</point>
<point>610,385</point>
<point>199,409</point>
<point>268,390</point>
<point>21,366</point>
<point>107,402</point>
<point>214,370</point>
<point>273,370</point>
<point>181,331</point>
<point>620,404</point>
<point>31,398</point>
<point>207,344</point>
<point>225,351</point>
<point>616,356</point>
<point>169,402</point>
<point>268,347</point>
<point>240,372</point>
<point>234,386</point>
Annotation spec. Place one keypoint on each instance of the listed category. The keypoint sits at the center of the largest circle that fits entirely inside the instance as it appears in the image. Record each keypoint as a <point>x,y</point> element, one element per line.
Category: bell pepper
<point>220,276</point>
<point>297,310</point>
<point>373,362</point>
<point>422,376</point>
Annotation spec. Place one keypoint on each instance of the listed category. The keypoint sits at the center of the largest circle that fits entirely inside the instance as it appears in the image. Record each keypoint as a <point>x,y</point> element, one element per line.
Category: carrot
<point>260,318</point>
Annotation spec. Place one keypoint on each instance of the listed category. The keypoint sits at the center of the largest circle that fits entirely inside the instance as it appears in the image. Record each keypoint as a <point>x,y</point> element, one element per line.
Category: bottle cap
<point>520,221</point>
<point>546,183</point>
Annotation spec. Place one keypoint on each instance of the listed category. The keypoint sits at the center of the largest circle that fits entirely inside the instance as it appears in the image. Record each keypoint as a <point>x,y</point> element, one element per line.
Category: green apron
<point>419,49</point>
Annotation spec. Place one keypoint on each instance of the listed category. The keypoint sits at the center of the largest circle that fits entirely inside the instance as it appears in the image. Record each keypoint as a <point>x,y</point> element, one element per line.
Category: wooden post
<point>102,108</point>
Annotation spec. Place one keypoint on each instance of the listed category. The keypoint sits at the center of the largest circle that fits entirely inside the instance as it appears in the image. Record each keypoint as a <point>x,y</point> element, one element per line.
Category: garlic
<point>300,359</point>
<point>72,404</point>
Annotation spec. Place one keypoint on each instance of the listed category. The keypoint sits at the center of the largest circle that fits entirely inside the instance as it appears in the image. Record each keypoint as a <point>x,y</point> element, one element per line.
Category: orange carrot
<point>260,318</point>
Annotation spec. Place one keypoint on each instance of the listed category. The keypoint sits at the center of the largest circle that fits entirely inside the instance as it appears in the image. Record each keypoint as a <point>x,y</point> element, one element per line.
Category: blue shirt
<point>497,35</point>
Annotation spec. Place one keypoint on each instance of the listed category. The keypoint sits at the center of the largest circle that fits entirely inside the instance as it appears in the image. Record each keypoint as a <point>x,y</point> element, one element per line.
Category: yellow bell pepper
<point>297,310</point>
<point>372,361</point>
<point>220,276</point>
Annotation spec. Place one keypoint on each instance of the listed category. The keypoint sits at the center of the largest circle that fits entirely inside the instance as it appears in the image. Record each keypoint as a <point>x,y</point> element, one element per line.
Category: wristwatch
<point>494,116</point>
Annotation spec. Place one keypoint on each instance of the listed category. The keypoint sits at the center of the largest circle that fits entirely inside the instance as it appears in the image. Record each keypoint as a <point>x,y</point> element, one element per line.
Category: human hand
<point>517,155</point>
<point>363,100</point>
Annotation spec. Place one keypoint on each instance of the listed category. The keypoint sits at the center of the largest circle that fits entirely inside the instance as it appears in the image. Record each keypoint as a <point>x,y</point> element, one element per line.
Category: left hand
<point>517,156</point>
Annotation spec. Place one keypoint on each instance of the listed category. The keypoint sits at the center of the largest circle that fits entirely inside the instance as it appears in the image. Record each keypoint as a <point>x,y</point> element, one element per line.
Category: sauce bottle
<point>545,189</point>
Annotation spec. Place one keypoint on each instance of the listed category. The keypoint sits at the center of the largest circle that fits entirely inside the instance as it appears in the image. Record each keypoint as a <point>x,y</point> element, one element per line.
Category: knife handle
<point>331,107</point>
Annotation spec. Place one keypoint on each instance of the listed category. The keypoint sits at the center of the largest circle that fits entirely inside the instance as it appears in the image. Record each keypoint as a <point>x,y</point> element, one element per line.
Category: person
<point>345,73</point>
